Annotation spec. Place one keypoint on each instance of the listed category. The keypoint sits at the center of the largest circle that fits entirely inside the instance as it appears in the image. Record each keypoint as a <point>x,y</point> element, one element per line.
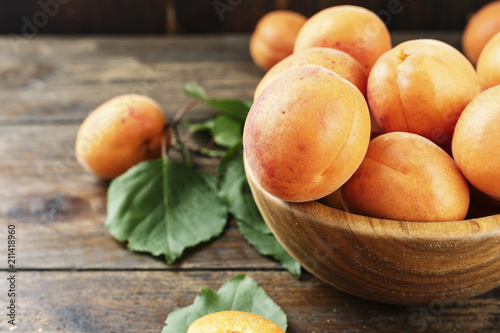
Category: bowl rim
<point>433,231</point>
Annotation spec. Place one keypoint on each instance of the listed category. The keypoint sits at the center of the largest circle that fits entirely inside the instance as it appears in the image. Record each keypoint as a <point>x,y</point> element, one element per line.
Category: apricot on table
<point>407,177</point>
<point>335,60</point>
<point>488,69</point>
<point>120,133</point>
<point>306,134</point>
<point>233,322</point>
<point>421,86</point>
<point>476,142</point>
<point>352,29</point>
<point>274,37</point>
<point>482,26</point>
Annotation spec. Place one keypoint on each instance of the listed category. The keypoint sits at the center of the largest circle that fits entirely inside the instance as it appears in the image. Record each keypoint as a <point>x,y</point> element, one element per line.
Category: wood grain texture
<point>53,82</point>
<point>47,81</point>
<point>396,262</point>
<point>74,277</point>
<point>139,301</point>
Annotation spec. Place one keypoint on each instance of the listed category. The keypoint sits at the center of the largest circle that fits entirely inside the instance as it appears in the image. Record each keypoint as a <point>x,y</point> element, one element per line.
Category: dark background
<point>201,16</point>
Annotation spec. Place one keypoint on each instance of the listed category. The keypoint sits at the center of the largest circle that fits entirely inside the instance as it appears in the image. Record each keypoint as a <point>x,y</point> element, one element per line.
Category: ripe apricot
<point>407,177</point>
<point>483,25</point>
<point>120,133</point>
<point>306,134</point>
<point>488,69</point>
<point>274,37</point>
<point>421,86</point>
<point>352,29</point>
<point>335,60</point>
<point>233,322</point>
<point>476,142</point>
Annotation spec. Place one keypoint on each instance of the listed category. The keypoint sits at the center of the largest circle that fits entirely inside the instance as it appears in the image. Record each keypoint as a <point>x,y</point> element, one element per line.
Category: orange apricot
<point>274,37</point>
<point>421,86</point>
<point>488,69</point>
<point>352,29</point>
<point>483,25</point>
<point>306,134</point>
<point>476,142</point>
<point>120,133</point>
<point>407,177</point>
<point>233,322</point>
<point>335,60</point>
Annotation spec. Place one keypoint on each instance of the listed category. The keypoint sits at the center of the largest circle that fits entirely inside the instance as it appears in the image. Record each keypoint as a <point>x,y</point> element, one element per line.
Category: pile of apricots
<point>401,132</point>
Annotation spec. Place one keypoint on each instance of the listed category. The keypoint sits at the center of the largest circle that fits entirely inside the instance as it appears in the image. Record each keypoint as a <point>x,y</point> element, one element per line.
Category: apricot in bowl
<point>482,26</point>
<point>306,133</point>
<point>352,29</point>
<point>412,89</point>
<point>405,176</point>
<point>335,60</point>
<point>487,67</point>
<point>274,37</point>
<point>476,142</point>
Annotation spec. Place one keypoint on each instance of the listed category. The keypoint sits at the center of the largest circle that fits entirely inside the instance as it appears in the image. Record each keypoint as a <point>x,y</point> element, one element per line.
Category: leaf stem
<point>182,111</point>
<point>164,141</point>
<point>186,156</point>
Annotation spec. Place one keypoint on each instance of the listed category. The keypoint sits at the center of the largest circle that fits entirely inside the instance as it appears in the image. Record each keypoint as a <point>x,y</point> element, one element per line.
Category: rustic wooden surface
<point>73,276</point>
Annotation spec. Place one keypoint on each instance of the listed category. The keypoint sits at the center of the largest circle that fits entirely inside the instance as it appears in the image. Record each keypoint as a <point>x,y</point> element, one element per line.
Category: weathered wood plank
<point>47,151</point>
<point>60,224</point>
<point>135,301</point>
<point>49,81</point>
<point>60,209</point>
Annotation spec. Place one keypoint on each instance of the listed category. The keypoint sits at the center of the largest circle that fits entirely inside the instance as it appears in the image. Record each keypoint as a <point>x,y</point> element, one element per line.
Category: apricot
<point>306,134</point>
<point>488,69</point>
<point>233,322</point>
<point>482,26</point>
<point>274,37</point>
<point>421,86</point>
<point>407,177</point>
<point>352,29</point>
<point>476,142</point>
<point>120,133</point>
<point>335,60</point>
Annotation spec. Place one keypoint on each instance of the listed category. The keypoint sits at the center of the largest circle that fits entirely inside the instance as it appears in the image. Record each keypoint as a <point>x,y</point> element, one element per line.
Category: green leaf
<point>226,131</point>
<point>240,293</point>
<point>236,194</point>
<point>194,90</point>
<point>267,244</point>
<point>233,108</point>
<point>203,126</point>
<point>163,207</point>
<point>227,127</point>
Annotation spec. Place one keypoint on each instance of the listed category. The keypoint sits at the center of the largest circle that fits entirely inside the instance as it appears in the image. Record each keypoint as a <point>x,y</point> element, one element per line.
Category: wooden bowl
<point>388,261</point>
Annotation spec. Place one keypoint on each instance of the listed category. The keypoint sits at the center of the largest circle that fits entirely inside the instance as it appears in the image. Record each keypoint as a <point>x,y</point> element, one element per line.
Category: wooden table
<point>72,275</point>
